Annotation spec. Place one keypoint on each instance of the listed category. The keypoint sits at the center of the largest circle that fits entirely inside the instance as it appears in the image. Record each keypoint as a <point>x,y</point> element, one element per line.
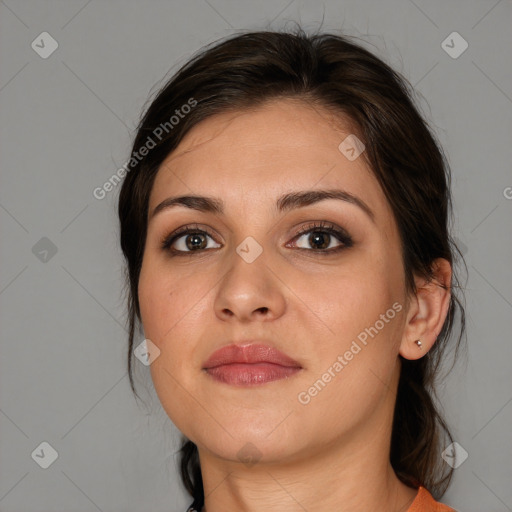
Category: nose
<point>249,292</point>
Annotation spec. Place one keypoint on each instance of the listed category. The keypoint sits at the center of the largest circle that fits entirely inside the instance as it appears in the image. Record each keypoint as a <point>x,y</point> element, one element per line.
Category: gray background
<point>66,127</point>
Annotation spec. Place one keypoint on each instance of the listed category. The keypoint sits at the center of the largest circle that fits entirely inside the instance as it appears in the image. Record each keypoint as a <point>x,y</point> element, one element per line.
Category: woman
<point>285,225</point>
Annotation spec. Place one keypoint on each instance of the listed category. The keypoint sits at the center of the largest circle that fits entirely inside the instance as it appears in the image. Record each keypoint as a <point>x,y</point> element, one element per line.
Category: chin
<point>250,450</point>
<point>250,439</point>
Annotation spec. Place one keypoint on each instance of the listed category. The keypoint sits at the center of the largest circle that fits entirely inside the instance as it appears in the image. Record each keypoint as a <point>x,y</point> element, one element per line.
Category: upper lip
<point>249,354</point>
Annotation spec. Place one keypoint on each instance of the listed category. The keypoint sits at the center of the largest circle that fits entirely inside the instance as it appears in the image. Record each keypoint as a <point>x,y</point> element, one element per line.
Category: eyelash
<point>321,226</point>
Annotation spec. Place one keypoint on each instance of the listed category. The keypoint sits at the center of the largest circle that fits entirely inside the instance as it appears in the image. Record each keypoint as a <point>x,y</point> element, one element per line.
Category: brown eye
<point>323,238</point>
<point>196,241</point>
<point>188,240</point>
<point>319,240</point>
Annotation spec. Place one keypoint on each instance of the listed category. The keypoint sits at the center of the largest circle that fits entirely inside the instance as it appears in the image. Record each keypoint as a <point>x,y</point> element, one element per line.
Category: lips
<point>250,364</point>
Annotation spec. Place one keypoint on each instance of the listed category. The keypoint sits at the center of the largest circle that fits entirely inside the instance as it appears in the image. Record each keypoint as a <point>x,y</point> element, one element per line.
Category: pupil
<point>196,241</point>
<point>318,237</point>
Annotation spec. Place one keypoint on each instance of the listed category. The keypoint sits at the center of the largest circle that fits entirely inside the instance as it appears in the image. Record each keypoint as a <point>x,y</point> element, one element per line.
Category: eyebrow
<point>287,202</point>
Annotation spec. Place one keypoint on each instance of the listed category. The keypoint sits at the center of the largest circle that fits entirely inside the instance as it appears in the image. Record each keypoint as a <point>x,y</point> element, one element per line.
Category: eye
<point>322,237</point>
<point>188,239</point>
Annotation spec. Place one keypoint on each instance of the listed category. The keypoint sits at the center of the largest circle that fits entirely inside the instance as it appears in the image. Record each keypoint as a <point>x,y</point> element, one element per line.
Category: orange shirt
<point>424,502</point>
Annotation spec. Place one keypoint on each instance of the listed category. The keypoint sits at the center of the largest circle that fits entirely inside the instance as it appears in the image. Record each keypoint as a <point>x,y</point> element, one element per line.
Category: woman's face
<point>334,304</point>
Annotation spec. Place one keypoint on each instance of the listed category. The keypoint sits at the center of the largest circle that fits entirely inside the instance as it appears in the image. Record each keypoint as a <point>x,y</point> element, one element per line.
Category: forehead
<point>259,153</point>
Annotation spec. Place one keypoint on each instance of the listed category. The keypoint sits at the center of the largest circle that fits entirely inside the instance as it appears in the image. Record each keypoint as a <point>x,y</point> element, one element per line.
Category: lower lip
<point>242,374</point>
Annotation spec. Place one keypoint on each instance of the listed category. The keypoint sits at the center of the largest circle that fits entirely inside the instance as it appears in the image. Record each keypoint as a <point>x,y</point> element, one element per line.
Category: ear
<point>427,311</point>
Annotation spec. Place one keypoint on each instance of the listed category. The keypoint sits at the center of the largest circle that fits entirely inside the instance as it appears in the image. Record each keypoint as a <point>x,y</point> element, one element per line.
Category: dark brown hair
<point>334,72</point>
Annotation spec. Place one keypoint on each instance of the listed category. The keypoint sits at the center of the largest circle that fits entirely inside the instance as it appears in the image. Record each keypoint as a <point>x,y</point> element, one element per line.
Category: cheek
<point>347,299</point>
<point>163,301</point>
<point>360,308</point>
<point>153,305</point>
<point>174,306</point>
<point>352,366</point>
<point>169,313</point>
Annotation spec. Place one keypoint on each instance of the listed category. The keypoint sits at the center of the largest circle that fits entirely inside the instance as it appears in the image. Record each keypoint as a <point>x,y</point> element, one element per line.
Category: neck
<point>321,483</point>
<point>350,474</point>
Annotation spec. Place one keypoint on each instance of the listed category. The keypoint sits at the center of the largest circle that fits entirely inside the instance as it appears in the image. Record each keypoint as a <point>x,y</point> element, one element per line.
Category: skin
<point>333,452</point>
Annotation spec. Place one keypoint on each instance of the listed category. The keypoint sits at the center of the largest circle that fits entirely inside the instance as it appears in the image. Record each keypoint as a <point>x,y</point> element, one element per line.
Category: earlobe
<point>427,311</point>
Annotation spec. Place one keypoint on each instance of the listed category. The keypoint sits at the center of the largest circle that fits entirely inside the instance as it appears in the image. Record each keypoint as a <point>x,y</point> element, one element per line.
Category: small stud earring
<point>418,342</point>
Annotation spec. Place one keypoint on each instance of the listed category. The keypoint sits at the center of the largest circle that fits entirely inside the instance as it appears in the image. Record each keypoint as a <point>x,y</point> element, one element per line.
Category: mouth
<point>249,365</point>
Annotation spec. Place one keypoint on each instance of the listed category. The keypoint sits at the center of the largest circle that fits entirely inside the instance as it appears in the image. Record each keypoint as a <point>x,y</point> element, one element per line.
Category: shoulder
<point>424,502</point>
